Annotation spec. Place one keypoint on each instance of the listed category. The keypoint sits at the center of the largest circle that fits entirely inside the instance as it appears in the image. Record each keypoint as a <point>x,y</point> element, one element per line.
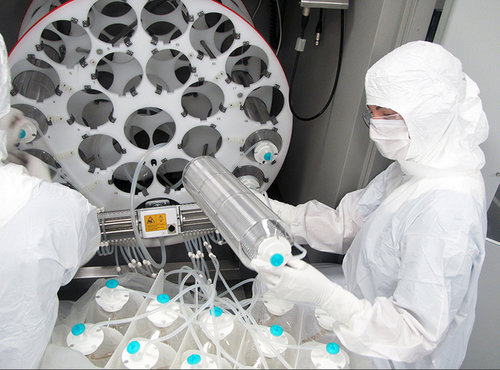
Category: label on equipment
<point>155,222</point>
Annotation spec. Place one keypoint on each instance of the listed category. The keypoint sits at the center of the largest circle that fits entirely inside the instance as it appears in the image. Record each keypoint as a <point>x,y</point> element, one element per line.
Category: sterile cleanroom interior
<point>129,97</point>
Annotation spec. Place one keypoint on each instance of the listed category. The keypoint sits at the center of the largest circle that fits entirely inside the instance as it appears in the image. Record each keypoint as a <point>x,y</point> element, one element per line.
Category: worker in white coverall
<point>414,238</point>
<point>46,232</point>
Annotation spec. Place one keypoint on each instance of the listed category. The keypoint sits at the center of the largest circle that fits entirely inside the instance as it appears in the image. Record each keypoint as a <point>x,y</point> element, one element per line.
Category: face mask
<point>391,137</point>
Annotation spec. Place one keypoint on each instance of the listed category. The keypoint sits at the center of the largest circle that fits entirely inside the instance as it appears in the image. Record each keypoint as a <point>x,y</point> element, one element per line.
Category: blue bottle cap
<point>277,259</point>
<point>216,311</point>
<point>163,298</point>
<point>112,283</point>
<point>332,348</point>
<point>194,359</point>
<point>78,329</point>
<point>268,156</point>
<point>276,330</point>
<point>22,134</point>
<point>133,347</point>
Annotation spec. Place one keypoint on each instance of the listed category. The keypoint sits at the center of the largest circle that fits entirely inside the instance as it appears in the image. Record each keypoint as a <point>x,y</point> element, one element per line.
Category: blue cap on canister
<point>133,347</point>
<point>78,329</point>
<point>22,133</point>
<point>268,156</point>
<point>276,330</point>
<point>332,348</point>
<point>277,259</point>
<point>216,311</point>
<point>194,359</point>
<point>163,298</point>
<point>112,283</point>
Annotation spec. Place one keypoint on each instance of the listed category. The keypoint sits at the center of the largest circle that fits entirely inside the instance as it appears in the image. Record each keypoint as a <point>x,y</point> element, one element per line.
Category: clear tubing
<point>132,211</point>
<point>124,255</point>
<point>237,312</point>
<point>201,242</point>
<point>189,320</point>
<point>146,314</point>
<point>243,155</point>
<point>236,286</point>
<point>116,257</point>
<point>300,248</point>
<point>249,326</point>
<point>248,226</point>
<point>193,258</point>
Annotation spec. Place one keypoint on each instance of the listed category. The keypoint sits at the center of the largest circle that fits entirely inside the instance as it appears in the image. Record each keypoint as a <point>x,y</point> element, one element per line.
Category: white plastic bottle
<point>324,319</point>
<point>275,305</point>
<point>324,356</point>
<point>114,302</point>
<point>140,353</point>
<point>165,318</point>
<point>219,324</point>
<point>271,310</point>
<point>96,342</point>
<point>197,360</point>
<point>272,343</point>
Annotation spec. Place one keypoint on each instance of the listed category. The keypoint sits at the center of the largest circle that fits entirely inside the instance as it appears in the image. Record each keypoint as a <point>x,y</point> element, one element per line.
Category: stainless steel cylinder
<point>250,228</point>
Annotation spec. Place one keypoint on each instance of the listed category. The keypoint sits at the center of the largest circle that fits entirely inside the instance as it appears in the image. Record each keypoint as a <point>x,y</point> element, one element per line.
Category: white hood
<point>440,104</point>
<point>4,96</point>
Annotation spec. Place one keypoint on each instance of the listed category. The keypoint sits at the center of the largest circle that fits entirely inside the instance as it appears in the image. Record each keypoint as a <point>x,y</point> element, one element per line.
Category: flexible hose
<point>132,211</point>
<point>334,88</point>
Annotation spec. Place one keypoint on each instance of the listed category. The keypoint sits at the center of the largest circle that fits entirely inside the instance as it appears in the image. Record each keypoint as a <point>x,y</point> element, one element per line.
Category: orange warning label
<point>155,222</point>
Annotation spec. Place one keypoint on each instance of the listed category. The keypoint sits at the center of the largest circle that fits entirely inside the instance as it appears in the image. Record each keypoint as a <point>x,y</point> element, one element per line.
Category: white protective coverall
<point>414,237</point>
<point>46,232</point>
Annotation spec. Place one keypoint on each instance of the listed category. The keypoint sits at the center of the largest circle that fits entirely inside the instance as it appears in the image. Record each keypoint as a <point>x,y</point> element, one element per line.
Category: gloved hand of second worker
<point>11,124</point>
<point>298,281</point>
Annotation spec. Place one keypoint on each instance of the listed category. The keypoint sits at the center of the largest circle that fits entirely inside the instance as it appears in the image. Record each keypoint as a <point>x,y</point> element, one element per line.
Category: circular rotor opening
<point>169,69</point>
<point>35,79</point>
<point>264,104</point>
<point>165,20</point>
<point>124,174</point>
<point>36,115</point>
<point>249,175</point>
<point>119,73</point>
<point>212,34</point>
<point>202,99</point>
<point>65,42</point>
<point>169,174</point>
<point>100,151</point>
<point>112,21</point>
<point>262,136</point>
<point>90,108</point>
<point>201,140</point>
<point>247,65</point>
<point>148,126</point>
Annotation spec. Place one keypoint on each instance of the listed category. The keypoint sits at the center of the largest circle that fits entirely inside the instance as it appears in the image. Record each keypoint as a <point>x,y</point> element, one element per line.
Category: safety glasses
<point>368,115</point>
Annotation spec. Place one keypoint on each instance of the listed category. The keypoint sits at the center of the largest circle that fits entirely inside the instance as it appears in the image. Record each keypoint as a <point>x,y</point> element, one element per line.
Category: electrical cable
<point>296,62</point>
<point>319,28</point>
<point>280,27</point>
<point>256,9</point>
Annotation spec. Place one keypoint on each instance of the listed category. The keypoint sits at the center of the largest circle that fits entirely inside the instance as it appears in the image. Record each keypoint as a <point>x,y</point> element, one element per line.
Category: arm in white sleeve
<point>332,230</point>
<point>72,225</point>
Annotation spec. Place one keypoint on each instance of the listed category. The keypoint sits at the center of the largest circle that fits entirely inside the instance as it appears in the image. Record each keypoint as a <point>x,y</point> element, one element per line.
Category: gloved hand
<point>11,123</point>
<point>298,281</point>
<point>288,213</point>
